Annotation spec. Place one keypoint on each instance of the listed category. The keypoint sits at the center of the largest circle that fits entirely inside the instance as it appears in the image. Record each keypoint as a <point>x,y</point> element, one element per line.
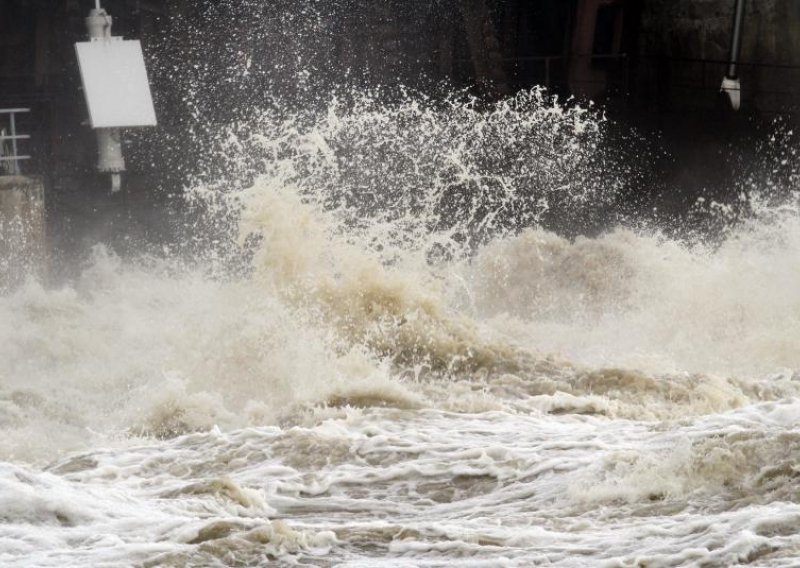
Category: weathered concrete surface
<point>22,228</point>
<point>701,29</point>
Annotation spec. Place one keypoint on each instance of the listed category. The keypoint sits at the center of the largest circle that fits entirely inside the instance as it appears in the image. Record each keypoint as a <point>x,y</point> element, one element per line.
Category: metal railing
<point>9,156</point>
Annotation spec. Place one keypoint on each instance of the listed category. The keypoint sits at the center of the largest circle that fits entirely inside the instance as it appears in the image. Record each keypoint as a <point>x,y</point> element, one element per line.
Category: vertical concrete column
<point>583,80</point>
<point>22,229</point>
<point>487,58</point>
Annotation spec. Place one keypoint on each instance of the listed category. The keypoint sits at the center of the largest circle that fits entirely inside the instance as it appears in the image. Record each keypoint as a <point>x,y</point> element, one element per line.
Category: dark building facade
<point>652,60</point>
<point>644,53</point>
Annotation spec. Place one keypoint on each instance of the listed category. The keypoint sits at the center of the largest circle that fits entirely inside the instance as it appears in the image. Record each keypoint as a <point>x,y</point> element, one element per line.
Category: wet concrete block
<point>22,228</point>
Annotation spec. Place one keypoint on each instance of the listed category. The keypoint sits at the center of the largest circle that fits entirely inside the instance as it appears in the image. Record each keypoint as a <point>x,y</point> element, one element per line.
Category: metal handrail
<point>14,157</point>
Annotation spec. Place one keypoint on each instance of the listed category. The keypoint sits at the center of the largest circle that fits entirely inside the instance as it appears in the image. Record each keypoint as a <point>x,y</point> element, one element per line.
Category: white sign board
<point>115,83</point>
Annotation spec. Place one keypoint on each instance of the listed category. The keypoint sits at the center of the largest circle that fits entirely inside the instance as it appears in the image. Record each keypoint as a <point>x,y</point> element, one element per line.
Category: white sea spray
<point>388,355</point>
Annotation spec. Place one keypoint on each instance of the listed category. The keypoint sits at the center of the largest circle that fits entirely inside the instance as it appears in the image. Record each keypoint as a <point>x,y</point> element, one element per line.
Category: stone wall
<point>701,29</point>
<point>22,228</point>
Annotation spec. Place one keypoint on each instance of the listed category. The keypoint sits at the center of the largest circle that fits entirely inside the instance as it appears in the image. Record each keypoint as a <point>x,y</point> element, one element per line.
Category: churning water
<point>376,354</point>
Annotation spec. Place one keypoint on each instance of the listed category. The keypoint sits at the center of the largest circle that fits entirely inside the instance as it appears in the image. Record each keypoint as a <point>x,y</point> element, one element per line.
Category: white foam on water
<point>643,301</point>
<point>427,487</point>
<point>396,375</point>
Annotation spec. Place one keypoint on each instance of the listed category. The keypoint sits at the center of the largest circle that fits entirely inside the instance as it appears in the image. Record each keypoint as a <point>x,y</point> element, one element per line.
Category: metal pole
<point>13,121</point>
<point>731,85</point>
<point>109,140</point>
<point>736,40</point>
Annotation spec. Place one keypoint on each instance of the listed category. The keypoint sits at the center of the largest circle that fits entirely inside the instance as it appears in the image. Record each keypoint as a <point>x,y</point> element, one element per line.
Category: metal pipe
<point>731,85</point>
<point>98,24</point>
<point>736,40</point>
<point>109,140</point>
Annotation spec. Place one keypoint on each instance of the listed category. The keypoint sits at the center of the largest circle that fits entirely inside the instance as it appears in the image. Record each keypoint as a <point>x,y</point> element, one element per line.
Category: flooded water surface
<point>386,352</point>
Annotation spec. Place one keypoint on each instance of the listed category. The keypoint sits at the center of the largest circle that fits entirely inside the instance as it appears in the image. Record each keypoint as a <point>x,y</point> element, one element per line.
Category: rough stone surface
<point>22,228</point>
<point>701,29</point>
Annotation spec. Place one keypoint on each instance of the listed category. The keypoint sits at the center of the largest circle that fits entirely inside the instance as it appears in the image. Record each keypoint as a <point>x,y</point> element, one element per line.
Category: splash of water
<point>397,255</point>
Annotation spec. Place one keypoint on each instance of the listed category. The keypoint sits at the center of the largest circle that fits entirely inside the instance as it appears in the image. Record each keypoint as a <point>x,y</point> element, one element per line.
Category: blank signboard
<point>115,83</point>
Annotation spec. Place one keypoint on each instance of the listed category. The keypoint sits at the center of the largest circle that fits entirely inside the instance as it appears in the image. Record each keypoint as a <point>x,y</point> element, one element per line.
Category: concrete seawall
<point>22,229</point>
<point>701,29</point>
